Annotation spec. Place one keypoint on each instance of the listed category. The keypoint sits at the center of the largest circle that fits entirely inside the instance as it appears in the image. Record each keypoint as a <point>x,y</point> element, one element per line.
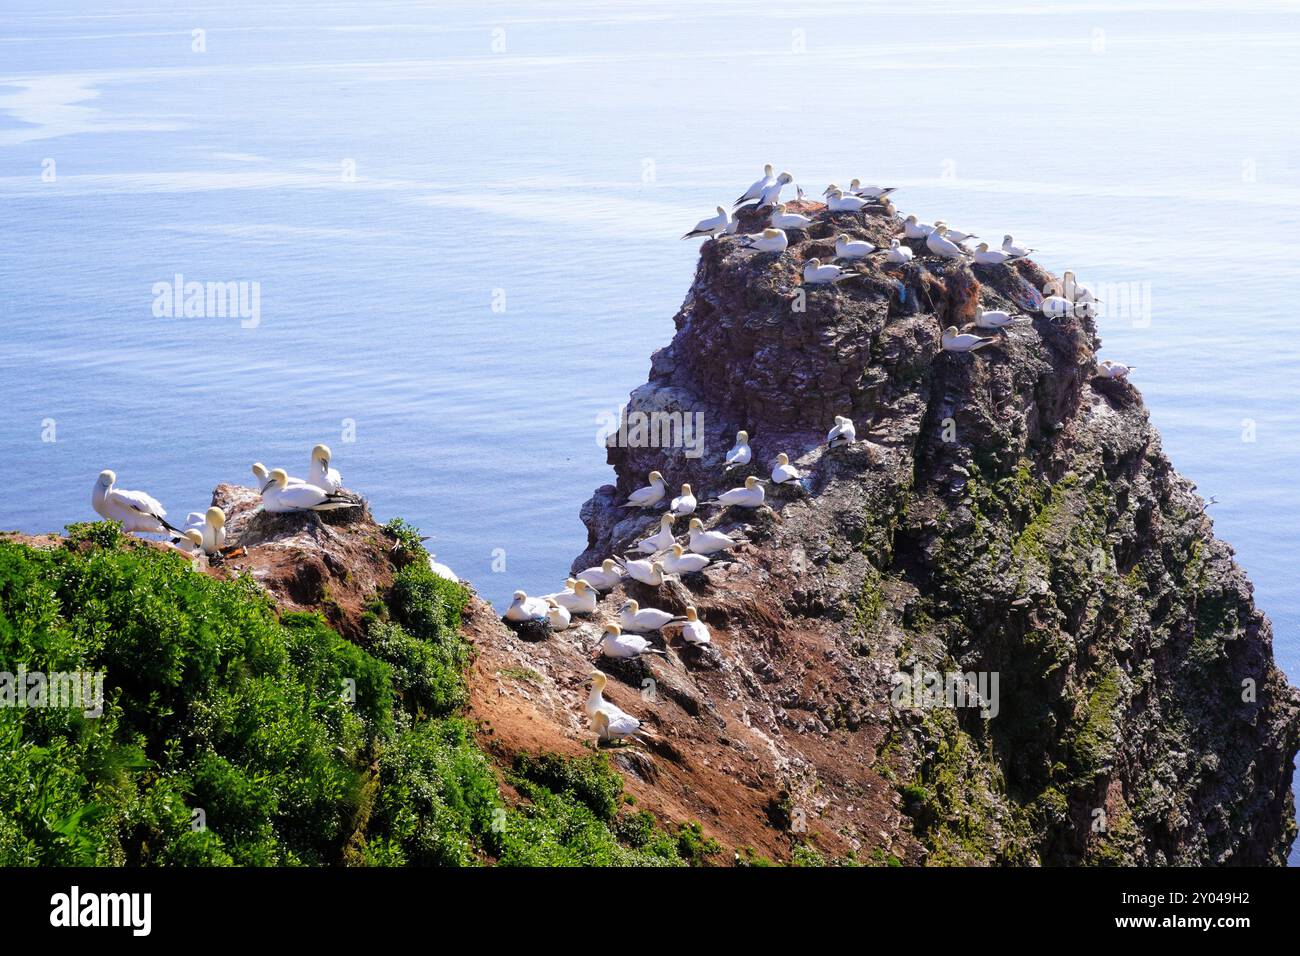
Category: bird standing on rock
<point>712,227</point>
<point>759,185</point>
<point>280,497</point>
<point>134,510</point>
<point>677,561</point>
<point>695,631</point>
<point>614,643</point>
<point>633,617</point>
<point>789,220</point>
<point>578,597</point>
<point>320,473</point>
<point>709,542</point>
<point>740,453</point>
<point>604,577</point>
<point>837,201</point>
<point>523,608</point>
<point>943,247</point>
<point>844,433</point>
<point>964,342</point>
<point>661,540</point>
<point>648,496</point>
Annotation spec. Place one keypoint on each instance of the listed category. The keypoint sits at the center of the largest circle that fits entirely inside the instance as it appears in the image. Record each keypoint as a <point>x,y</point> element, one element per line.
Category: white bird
<point>1009,245</point>
<point>1109,369</point>
<point>836,201</point>
<point>994,319</point>
<point>709,542</point>
<point>1074,290</point>
<point>695,631</point>
<point>614,643</point>
<point>1057,307</point>
<point>750,496</point>
<point>263,476</point>
<point>784,473</point>
<point>965,342</point>
<point>321,474</point>
<point>646,571</point>
<point>956,235</point>
<point>789,220</point>
<point>683,504</point>
<point>641,620</point>
<point>648,496</point>
<point>211,525</point>
<point>740,453</point>
<point>992,257</point>
<point>712,227</point>
<point>870,192</point>
<point>604,577</point>
<point>281,497</point>
<point>772,193</point>
<point>442,570</point>
<point>578,597</point>
<point>609,722</point>
<point>677,561</point>
<point>846,248</point>
<point>814,273</point>
<point>135,510</point>
<point>190,543</point>
<point>556,616</point>
<point>661,540</point>
<point>756,190</point>
<point>916,230</point>
<point>944,247</point>
<point>898,253</point>
<point>769,240</point>
<point>844,432</point>
<point>524,608</point>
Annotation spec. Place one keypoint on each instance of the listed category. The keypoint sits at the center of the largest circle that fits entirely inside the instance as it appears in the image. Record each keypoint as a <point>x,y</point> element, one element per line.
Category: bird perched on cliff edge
<point>844,433</point>
<point>784,473</point>
<point>661,540</point>
<point>943,247</point>
<point>781,219</point>
<point>609,722</point>
<point>964,342</point>
<point>633,617</point>
<point>280,497</point>
<point>710,542</point>
<point>683,504</point>
<point>614,643</point>
<point>837,201</point>
<point>1109,369</point>
<point>695,631</point>
<point>749,496</point>
<point>870,192</point>
<point>756,190</point>
<point>136,511</point>
<point>648,496</point>
<point>211,526</point>
<point>712,227</point>
<point>1009,245</point>
<point>320,473</point>
<point>677,561</point>
<point>604,577</point>
<point>740,453</point>
<point>523,608</point>
<point>769,240</point>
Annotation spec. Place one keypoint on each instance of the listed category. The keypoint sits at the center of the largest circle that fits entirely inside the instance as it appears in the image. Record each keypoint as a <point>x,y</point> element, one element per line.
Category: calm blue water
<point>551,153</point>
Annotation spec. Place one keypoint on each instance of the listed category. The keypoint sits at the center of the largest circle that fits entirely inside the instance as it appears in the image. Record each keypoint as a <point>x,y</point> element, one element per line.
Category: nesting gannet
<point>609,722</point>
<point>844,432</point>
<point>916,230</point>
<point>661,540</point>
<point>683,504</point>
<point>769,240</point>
<point>557,617</point>
<point>956,235</point>
<point>992,257</point>
<point>740,453</point>
<point>442,570</point>
<point>814,273</point>
<point>677,561</point>
<point>772,193</point>
<point>750,496</point>
<point>134,510</point>
<point>838,202</point>
<point>646,570</point>
<point>756,190</point>
<point>279,496</point>
<point>614,643</point>
<point>1009,245</point>
<point>641,620</point>
<point>870,192</point>
<point>784,473</point>
<point>648,496</point>
<point>789,220</point>
<point>190,543</point>
<point>211,525</point>
<point>712,227</point>
<point>321,474</point>
<point>604,577</point>
<point>846,248</point>
<point>938,243</point>
<point>1110,369</point>
<point>965,342</point>
<point>1074,290</point>
<point>994,319</point>
<point>709,542</point>
<point>263,476</point>
<point>524,608</point>
<point>1057,307</point>
<point>898,253</point>
<point>578,597</point>
<point>695,631</point>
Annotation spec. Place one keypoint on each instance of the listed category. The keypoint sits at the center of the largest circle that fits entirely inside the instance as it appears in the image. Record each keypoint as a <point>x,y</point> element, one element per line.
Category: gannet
<point>740,453</point>
<point>916,230</point>
<point>898,253</point>
<point>279,496</point>
<point>944,247</point>
<point>992,257</point>
<point>965,342</point>
<point>1057,307</point>
<point>614,643</point>
<point>524,608</point>
<point>578,597</point>
<point>211,525</point>
<point>607,720</point>
<point>646,570</point>
<point>844,433</point>
<point>784,473</point>
<point>677,561</point>
<point>1009,245</point>
<point>750,496</point>
<point>712,227</point>
<point>870,192</point>
<point>321,474</point>
<point>442,570</point>
<point>789,220</point>
<point>709,542</point>
<point>846,248</point>
<point>683,504</point>
<point>838,202</point>
<point>772,193</point>
<point>1074,290</point>
<point>649,496</point>
<point>814,273</point>
<point>695,631</point>
<point>994,319</point>
<point>1110,369</point>
<point>756,190</point>
<point>642,620</point>
<point>661,540</point>
<point>556,616</point>
<point>955,235</point>
<point>190,543</point>
<point>769,240</point>
<point>134,510</point>
<point>604,577</point>
<point>263,476</point>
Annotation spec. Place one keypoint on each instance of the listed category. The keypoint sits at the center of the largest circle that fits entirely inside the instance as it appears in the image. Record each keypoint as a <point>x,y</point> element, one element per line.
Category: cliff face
<point>1010,513</point>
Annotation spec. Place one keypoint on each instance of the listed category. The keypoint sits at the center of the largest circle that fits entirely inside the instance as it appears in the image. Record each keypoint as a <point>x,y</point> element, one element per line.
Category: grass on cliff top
<point>230,734</point>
